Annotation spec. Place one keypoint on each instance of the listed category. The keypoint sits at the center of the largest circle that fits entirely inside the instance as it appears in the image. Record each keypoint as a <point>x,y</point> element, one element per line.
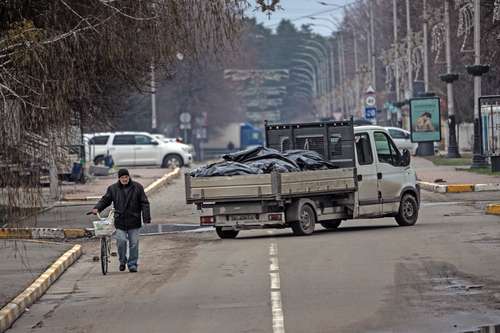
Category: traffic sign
<point>370,100</point>
<point>185,126</point>
<point>370,113</point>
<point>185,117</point>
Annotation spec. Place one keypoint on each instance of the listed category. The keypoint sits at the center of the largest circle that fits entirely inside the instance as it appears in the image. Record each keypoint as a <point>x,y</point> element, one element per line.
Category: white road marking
<point>274,266</point>
<point>276,305</point>
<point>275,281</point>
<point>273,250</point>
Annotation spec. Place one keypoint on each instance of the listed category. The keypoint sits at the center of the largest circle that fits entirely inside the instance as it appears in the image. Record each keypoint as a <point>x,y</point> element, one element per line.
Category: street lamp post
<point>317,69</point>
<point>312,71</point>
<point>408,51</point>
<point>396,55</point>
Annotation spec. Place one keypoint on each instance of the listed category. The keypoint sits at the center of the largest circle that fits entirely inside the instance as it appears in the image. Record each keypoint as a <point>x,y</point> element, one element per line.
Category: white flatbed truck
<point>373,179</point>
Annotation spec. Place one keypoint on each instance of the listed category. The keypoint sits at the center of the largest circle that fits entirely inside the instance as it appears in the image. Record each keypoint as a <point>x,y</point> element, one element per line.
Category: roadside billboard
<point>425,119</point>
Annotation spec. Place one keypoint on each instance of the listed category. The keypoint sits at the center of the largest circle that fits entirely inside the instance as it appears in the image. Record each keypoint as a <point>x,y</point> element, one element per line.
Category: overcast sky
<point>299,10</point>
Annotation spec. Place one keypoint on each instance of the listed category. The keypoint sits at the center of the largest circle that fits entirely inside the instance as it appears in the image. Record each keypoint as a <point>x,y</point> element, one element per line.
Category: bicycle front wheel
<point>104,254</point>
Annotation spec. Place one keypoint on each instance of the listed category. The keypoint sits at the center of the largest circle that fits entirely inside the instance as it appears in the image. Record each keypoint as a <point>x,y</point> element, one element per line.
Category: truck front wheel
<point>306,222</point>
<point>226,233</point>
<point>408,211</point>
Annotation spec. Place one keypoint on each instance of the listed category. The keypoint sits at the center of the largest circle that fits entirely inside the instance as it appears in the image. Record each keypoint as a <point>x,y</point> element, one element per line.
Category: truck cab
<point>385,178</point>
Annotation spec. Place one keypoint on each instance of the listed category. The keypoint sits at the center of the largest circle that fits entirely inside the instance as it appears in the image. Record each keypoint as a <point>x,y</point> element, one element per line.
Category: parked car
<point>402,139</point>
<point>135,149</point>
<point>184,146</point>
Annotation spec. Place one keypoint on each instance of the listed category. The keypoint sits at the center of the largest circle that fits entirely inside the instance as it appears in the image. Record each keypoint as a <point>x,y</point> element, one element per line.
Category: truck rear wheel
<point>408,211</point>
<point>331,224</point>
<point>226,233</point>
<point>306,222</point>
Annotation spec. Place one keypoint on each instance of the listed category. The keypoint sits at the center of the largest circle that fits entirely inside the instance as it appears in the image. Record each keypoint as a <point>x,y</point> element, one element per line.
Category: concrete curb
<point>458,188</point>
<point>160,182</point>
<point>14,309</point>
<point>150,188</point>
<point>493,209</point>
<point>43,233</point>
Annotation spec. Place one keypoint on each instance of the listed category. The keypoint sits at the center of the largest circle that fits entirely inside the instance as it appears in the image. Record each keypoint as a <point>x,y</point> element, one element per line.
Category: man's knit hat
<point>123,172</point>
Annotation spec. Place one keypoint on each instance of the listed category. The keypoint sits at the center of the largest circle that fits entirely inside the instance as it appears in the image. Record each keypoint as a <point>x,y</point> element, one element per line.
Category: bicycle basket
<point>104,228</point>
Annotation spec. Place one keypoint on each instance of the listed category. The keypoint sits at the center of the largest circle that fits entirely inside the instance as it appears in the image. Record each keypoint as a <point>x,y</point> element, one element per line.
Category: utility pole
<point>153,99</point>
<point>426,47</point>
<point>372,53</point>
<point>356,73</point>
<point>449,78</point>
<point>408,51</point>
<point>396,49</point>
<point>478,159</point>
<point>332,69</point>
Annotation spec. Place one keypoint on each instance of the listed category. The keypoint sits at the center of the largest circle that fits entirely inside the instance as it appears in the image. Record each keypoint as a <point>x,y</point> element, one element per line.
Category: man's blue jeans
<point>132,235</point>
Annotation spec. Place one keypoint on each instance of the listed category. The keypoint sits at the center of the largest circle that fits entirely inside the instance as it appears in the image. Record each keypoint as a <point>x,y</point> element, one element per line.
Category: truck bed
<point>274,186</point>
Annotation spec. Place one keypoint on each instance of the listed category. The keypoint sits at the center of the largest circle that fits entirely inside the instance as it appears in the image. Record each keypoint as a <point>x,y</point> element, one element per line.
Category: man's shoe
<point>122,267</point>
<point>132,269</point>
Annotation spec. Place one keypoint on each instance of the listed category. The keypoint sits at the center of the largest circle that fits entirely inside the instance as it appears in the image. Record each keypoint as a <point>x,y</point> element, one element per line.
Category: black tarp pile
<point>261,160</point>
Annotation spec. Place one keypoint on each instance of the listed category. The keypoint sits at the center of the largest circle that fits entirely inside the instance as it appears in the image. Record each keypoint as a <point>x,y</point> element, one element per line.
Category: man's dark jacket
<point>129,201</point>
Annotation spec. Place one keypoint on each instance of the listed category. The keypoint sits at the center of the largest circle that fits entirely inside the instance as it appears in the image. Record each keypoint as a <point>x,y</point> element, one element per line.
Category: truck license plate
<point>242,217</point>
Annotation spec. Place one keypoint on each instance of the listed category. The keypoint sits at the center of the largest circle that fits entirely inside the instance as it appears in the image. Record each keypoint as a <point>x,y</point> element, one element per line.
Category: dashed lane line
<point>276,304</point>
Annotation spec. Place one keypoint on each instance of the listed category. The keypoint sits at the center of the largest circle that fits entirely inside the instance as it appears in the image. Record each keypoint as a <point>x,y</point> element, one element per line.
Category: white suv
<point>135,149</point>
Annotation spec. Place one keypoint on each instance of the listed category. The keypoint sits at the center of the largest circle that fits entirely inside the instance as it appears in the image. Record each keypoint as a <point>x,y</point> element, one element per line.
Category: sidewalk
<point>428,172</point>
<point>98,185</point>
<point>72,215</point>
<point>22,262</point>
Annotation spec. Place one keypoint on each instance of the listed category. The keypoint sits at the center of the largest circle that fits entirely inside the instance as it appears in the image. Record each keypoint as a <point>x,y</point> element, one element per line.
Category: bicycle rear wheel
<point>104,254</point>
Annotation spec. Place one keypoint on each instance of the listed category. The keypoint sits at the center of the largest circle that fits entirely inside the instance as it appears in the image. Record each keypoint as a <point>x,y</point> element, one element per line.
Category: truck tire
<point>305,224</point>
<point>172,161</point>
<point>224,234</point>
<point>408,211</point>
<point>331,224</point>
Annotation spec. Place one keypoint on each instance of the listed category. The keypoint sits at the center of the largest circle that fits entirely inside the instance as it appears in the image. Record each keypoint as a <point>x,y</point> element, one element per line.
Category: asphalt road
<point>441,275</point>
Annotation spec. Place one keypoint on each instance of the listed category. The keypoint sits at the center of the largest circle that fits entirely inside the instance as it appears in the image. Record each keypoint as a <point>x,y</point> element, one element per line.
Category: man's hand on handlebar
<point>94,211</point>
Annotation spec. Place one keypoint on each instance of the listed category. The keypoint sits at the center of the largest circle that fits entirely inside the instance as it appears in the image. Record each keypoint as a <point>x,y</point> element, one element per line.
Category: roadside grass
<point>483,171</point>
<point>463,164</point>
<point>465,160</point>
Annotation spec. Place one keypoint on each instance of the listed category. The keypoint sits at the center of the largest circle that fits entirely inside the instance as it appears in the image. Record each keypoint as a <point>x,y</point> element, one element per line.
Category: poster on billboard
<point>425,119</point>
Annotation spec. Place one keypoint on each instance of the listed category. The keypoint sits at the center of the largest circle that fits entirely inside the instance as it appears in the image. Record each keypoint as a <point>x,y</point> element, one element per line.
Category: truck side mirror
<point>405,158</point>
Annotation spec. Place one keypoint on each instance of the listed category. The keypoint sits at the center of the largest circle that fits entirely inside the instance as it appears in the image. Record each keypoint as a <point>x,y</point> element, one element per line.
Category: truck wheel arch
<point>410,190</point>
<point>292,210</point>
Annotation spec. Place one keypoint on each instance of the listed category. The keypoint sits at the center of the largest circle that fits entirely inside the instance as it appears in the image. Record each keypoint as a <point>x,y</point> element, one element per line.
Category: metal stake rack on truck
<point>372,179</point>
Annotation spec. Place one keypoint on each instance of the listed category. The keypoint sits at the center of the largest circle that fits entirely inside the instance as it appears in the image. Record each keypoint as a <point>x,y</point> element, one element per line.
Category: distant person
<point>230,145</point>
<point>130,201</point>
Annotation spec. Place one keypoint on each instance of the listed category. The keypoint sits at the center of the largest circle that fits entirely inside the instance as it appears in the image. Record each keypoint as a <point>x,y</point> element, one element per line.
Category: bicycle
<point>104,229</point>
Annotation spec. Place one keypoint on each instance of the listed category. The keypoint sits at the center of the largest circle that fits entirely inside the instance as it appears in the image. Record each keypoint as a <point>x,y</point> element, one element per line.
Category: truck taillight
<point>207,220</point>
<point>275,217</point>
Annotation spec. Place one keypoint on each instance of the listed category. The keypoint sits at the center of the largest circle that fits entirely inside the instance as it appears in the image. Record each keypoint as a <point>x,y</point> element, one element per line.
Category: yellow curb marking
<point>15,233</point>
<point>459,188</point>
<point>162,180</point>
<point>12,311</point>
<point>493,209</point>
<point>74,233</point>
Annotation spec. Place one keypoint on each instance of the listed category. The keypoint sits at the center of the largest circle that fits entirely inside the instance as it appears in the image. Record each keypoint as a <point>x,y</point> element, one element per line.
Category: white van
<point>135,149</point>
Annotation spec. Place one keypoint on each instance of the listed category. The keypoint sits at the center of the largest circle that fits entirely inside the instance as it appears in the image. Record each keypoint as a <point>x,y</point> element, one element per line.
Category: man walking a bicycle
<point>130,202</point>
